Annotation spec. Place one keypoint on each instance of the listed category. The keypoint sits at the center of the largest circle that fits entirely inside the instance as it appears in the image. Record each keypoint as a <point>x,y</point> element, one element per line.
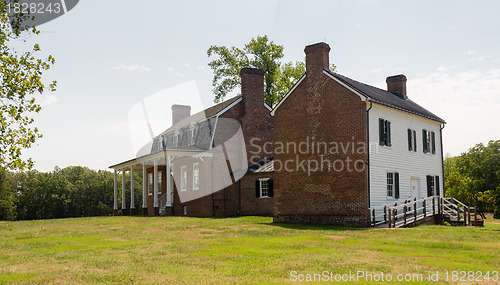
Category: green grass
<point>180,250</point>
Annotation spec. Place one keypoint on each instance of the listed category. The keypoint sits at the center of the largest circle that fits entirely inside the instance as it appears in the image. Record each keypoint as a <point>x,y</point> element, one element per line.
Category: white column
<point>132,202</point>
<point>144,187</point>
<point>124,205</point>
<point>169,182</point>
<point>155,183</point>
<point>115,194</point>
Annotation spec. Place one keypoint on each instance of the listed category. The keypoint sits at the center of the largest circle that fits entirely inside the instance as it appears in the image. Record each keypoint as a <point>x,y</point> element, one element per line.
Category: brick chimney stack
<point>397,84</point>
<point>317,58</point>
<point>180,112</point>
<point>252,90</point>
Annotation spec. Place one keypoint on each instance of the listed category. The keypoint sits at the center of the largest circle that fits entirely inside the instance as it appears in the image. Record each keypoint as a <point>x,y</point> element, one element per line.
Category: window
<point>196,176</point>
<point>393,185</point>
<point>183,178</point>
<point>150,183</point>
<point>184,210</point>
<point>159,182</point>
<point>193,132</point>
<point>412,140</point>
<point>177,138</point>
<point>429,141</point>
<point>384,132</point>
<point>264,188</point>
<point>432,185</point>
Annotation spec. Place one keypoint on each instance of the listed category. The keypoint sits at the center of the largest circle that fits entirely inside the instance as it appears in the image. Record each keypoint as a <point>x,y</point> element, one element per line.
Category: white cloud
<point>376,70</point>
<point>186,64</point>
<point>201,67</point>
<point>468,100</point>
<point>132,68</point>
<point>47,100</point>
<point>479,58</point>
<point>171,69</point>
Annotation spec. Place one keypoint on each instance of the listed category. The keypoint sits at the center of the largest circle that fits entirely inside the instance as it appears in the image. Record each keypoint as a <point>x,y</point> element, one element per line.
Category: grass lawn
<point>182,250</point>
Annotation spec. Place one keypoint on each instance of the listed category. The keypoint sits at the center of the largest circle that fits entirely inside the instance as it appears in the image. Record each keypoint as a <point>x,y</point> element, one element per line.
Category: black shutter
<point>396,185</point>
<point>429,186</point>
<point>271,189</point>
<point>437,185</point>
<point>414,141</point>
<point>424,141</point>
<point>433,142</point>
<point>410,144</point>
<point>381,132</point>
<point>257,188</point>
<point>388,133</point>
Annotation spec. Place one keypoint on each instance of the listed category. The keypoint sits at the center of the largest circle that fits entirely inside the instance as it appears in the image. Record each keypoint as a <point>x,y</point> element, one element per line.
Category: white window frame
<point>261,181</point>
<point>390,185</point>
<point>159,181</point>
<point>177,138</point>
<point>183,178</point>
<point>150,183</point>
<point>193,131</point>
<point>433,185</point>
<point>196,176</point>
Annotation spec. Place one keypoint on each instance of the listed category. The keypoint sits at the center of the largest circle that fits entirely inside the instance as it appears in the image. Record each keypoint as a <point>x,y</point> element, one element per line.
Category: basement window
<point>184,210</point>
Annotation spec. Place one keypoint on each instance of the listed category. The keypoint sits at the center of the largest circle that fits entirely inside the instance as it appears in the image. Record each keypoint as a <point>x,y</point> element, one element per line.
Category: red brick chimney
<point>317,58</point>
<point>180,112</point>
<point>252,90</point>
<point>397,84</point>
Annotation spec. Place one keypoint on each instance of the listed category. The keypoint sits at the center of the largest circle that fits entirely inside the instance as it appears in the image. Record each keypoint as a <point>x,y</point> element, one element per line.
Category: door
<point>415,188</point>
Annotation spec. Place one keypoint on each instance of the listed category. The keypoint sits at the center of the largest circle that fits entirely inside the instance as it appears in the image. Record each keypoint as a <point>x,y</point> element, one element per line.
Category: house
<point>209,163</point>
<point>327,152</point>
<point>366,147</point>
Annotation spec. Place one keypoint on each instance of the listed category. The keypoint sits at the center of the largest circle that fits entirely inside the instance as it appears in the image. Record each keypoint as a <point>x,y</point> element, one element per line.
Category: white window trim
<point>260,188</point>
<point>193,132</point>
<point>198,187</point>
<point>393,197</point>
<point>150,184</point>
<point>160,180</point>
<point>183,170</point>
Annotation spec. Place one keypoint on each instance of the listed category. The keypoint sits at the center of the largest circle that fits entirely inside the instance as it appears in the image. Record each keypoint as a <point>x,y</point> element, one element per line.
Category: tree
<point>20,78</point>
<point>258,53</point>
<point>474,177</point>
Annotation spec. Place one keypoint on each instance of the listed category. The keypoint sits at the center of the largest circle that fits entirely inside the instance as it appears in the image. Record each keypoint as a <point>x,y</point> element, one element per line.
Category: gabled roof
<point>384,97</point>
<point>264,165</point>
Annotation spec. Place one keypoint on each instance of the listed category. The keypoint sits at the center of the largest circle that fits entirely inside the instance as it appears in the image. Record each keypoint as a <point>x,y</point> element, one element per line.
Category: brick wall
<point>321,111</point>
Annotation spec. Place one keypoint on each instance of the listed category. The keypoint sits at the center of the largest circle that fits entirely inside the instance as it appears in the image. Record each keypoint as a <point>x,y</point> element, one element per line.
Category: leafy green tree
<point>258,53</point>
<point>474,177</point>
<point>8,198</point>
<point>20,79</point>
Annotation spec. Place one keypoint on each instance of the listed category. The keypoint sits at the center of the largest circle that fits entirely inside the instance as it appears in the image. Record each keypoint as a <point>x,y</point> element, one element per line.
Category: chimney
<point>252,90</point>
<point>317,58</point>
<point>397,84</point>
<point>180,112</point>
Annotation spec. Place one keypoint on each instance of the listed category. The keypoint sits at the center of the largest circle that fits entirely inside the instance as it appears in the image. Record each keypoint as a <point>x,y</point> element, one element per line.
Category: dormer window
<point>177,138</point>
<point>193,133</point>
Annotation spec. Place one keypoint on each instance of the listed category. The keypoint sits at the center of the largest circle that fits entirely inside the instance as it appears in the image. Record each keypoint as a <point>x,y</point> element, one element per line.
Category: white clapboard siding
<point>398,158</point>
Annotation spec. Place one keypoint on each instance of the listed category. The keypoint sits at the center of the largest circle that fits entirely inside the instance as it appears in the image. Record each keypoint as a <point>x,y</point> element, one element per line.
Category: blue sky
<point>110,55</point>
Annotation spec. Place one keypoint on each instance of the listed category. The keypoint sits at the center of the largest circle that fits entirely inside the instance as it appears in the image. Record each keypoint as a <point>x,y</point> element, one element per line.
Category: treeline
<point>70,192</point>
<point>474,177</point>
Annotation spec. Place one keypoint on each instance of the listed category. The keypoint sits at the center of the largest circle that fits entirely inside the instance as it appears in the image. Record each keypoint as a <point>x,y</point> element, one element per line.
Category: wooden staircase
<point>430,210</point>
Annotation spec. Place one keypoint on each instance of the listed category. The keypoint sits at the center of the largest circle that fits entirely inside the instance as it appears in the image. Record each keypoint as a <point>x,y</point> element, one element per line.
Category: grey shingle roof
<point>386,98</point>
<point>205,123</point>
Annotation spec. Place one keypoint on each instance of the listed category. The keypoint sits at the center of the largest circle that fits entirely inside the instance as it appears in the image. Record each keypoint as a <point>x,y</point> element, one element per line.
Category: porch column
<point>124,205</point>
<point>115,195</point>
<point>144,190</point>
<point>132,200</point>
<point>169,182</point>
<point>155,188</point>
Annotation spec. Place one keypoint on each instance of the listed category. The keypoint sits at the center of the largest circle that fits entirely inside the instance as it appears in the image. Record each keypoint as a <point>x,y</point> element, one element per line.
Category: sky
<point>112,55</point>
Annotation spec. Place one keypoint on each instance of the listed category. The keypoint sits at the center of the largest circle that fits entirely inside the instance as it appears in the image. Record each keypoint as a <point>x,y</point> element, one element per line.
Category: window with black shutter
<point>437,186</point>
<point>433,142</point>
<point>431,182</point>
<point>412,140</point>
<point>429,141</point>
<point>384,127</point>
<point>424,141</point>
<point>393,184</point>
